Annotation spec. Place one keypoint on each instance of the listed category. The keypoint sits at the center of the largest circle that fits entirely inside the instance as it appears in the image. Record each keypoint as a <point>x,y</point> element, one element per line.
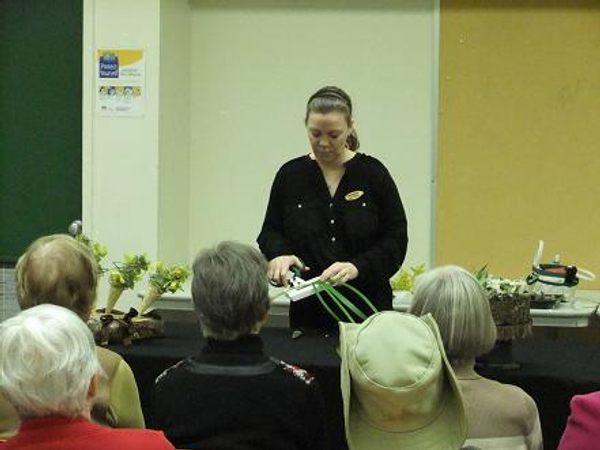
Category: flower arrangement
<point>163,279</point>
<point>99,250</point>
<point>497,286</point>
<point>124,276</point>
<point>404,279</point>
<point>509,304</point>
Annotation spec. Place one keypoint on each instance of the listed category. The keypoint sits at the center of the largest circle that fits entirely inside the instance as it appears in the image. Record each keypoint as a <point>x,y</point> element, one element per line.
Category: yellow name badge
<point>354,195</point>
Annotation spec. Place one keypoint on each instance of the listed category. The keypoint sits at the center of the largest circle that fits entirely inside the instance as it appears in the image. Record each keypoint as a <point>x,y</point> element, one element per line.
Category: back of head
<point>461,309</point>
<point>60,270</point>
<point>230,290</point>
<point>47,360</point>
<point>329,99</point>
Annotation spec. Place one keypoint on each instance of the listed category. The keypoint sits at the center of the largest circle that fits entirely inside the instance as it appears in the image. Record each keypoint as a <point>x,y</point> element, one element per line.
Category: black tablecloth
<point>551,371</point>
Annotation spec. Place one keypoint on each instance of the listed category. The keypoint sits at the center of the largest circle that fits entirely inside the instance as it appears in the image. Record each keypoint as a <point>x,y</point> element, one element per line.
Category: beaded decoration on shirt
<point>166,371</point>
<point>297,372</point>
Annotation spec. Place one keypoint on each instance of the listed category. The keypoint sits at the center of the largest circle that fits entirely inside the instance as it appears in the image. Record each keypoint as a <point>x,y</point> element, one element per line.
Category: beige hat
<point>398,388</point>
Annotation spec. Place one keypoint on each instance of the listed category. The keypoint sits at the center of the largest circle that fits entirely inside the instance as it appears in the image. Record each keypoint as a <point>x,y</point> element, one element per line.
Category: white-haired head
<point>461,309</point>
<point>47,362</point>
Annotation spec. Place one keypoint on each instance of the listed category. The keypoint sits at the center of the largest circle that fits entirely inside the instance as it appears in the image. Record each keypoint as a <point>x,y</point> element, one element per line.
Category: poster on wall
<point>120,82</point>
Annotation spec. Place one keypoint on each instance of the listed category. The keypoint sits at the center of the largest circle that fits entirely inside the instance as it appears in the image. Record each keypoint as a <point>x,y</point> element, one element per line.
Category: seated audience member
<point>49,372</point>
<point>233,396</point>
<point>60,270</point>
<point>498,415</point>
<point>398,388</point>
<point>583,425</point>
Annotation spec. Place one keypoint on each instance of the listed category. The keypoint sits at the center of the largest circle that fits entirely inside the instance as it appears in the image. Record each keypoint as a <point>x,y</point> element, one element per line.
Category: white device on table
<point>300,288</point>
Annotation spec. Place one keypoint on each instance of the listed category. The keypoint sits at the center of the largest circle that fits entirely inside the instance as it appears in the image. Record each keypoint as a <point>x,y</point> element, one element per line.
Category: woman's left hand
<point>340,272</point>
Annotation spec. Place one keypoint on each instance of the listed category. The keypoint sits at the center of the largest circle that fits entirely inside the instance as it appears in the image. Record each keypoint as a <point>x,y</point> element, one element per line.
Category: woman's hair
<point>47,361</point>
<point>60,270</point>
<point>461,309</point>
<point>332,98</point>
<point>230,290</point>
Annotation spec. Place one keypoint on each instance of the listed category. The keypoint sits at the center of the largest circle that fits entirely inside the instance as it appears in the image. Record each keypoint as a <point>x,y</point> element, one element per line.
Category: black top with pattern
<point>233,397</point>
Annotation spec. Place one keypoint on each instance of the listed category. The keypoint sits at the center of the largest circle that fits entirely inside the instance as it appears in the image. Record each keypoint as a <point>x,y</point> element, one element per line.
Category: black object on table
<point>550,371</point>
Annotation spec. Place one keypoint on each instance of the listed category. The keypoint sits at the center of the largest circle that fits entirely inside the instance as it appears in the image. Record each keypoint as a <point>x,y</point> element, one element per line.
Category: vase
<point>152,294</point>
<point>113,296</point>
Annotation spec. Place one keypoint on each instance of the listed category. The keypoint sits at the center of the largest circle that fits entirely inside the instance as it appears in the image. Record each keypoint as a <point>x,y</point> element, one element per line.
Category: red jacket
<point>583,425</point>
<point>61,433</point>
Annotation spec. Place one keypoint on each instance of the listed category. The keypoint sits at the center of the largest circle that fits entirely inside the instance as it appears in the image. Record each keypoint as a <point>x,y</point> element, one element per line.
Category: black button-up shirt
<point>363,223</point>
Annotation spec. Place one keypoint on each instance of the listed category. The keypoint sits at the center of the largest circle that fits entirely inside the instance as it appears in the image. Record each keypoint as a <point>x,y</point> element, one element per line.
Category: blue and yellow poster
<point>120,82</point>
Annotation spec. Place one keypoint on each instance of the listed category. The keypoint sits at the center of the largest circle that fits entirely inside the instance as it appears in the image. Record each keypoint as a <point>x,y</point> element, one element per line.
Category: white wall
<point>120,154</point>
<point>226,91</point>
<point>174,132</point>
<point>253,69</point>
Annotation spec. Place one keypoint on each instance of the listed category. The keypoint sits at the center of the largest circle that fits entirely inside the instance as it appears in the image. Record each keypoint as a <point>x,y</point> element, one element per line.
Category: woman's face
<point>327,134</point>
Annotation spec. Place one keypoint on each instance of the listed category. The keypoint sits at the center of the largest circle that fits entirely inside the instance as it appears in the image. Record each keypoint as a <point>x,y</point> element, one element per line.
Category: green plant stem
<point>334,293</point>
<point>326,306</point>
<point>362,296</point>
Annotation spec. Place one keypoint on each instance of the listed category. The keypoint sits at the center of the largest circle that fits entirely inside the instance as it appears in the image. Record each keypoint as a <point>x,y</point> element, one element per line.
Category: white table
<point>575,314</point>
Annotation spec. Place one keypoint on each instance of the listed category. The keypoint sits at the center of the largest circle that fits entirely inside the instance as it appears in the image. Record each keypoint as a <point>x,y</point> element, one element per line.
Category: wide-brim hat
<point>398,388</point>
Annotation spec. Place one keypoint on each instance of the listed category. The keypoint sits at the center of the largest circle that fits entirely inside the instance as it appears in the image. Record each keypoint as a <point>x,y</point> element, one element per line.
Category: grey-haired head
<point>47,362</point>
<point>230,290</point>
<point>461,309</point>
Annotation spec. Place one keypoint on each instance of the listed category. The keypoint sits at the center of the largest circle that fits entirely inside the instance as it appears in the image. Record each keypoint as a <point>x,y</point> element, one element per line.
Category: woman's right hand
<point>280,266</point>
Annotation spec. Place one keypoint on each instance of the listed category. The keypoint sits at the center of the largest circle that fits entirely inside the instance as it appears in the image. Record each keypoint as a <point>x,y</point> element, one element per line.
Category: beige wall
<point>121,154</point>
<point>519,155</point>
<point>174,132</point>
<point>253,68</point>
<point>226,91</point>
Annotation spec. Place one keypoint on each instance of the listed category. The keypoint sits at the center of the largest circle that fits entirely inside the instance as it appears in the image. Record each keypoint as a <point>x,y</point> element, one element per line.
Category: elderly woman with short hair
<point>60,270</point>
<point>498,415</point>
<point>232,395</point>
<point>49,372</point>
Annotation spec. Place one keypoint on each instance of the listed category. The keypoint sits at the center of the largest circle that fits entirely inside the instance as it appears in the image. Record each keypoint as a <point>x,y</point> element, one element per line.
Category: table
<point>574,314</point>
<point>551,371</point>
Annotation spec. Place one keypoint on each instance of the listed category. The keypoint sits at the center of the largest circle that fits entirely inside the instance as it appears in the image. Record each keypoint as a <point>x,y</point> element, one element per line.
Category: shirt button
<point>333,239</point>
<point>364,204</point>
<point>332,221</point>
<point>299,205</point>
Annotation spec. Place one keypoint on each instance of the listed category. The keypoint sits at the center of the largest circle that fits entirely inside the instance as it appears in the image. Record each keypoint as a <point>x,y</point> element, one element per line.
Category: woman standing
<point>335,213</point>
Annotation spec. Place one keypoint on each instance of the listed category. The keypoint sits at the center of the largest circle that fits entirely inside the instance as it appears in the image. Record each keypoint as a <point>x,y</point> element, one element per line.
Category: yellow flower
<point>100,251</point>
<point>115,278</point>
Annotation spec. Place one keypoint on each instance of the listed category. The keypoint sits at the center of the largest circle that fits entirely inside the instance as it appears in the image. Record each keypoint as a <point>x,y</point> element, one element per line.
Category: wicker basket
<point>120,328</point>
<point>511,315</point>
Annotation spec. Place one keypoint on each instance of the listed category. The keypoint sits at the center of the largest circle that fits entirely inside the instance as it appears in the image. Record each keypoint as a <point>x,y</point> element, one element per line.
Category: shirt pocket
<point>304,219</point>
<point>361,219</point>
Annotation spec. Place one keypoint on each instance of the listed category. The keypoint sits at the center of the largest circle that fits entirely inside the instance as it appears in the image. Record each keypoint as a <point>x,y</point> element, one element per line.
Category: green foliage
<point>404,279</point>
<point>99,250</point>
<point>127,273</point>
<point>169,278</point>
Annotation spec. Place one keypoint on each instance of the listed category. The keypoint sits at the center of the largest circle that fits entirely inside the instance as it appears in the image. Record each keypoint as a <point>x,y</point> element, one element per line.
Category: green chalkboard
<point>40,120</point>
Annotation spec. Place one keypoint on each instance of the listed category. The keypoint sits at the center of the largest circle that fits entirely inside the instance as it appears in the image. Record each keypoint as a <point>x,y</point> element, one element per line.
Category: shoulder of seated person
<point>295,372</point>
<point>108,359</point>
<point>507,392</point>
<point>589,401</point>
<point>145,437</point>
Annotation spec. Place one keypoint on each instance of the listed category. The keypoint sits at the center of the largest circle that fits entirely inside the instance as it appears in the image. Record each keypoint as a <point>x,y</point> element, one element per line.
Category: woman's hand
<point>340,272</point>
<point>280,266</point>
